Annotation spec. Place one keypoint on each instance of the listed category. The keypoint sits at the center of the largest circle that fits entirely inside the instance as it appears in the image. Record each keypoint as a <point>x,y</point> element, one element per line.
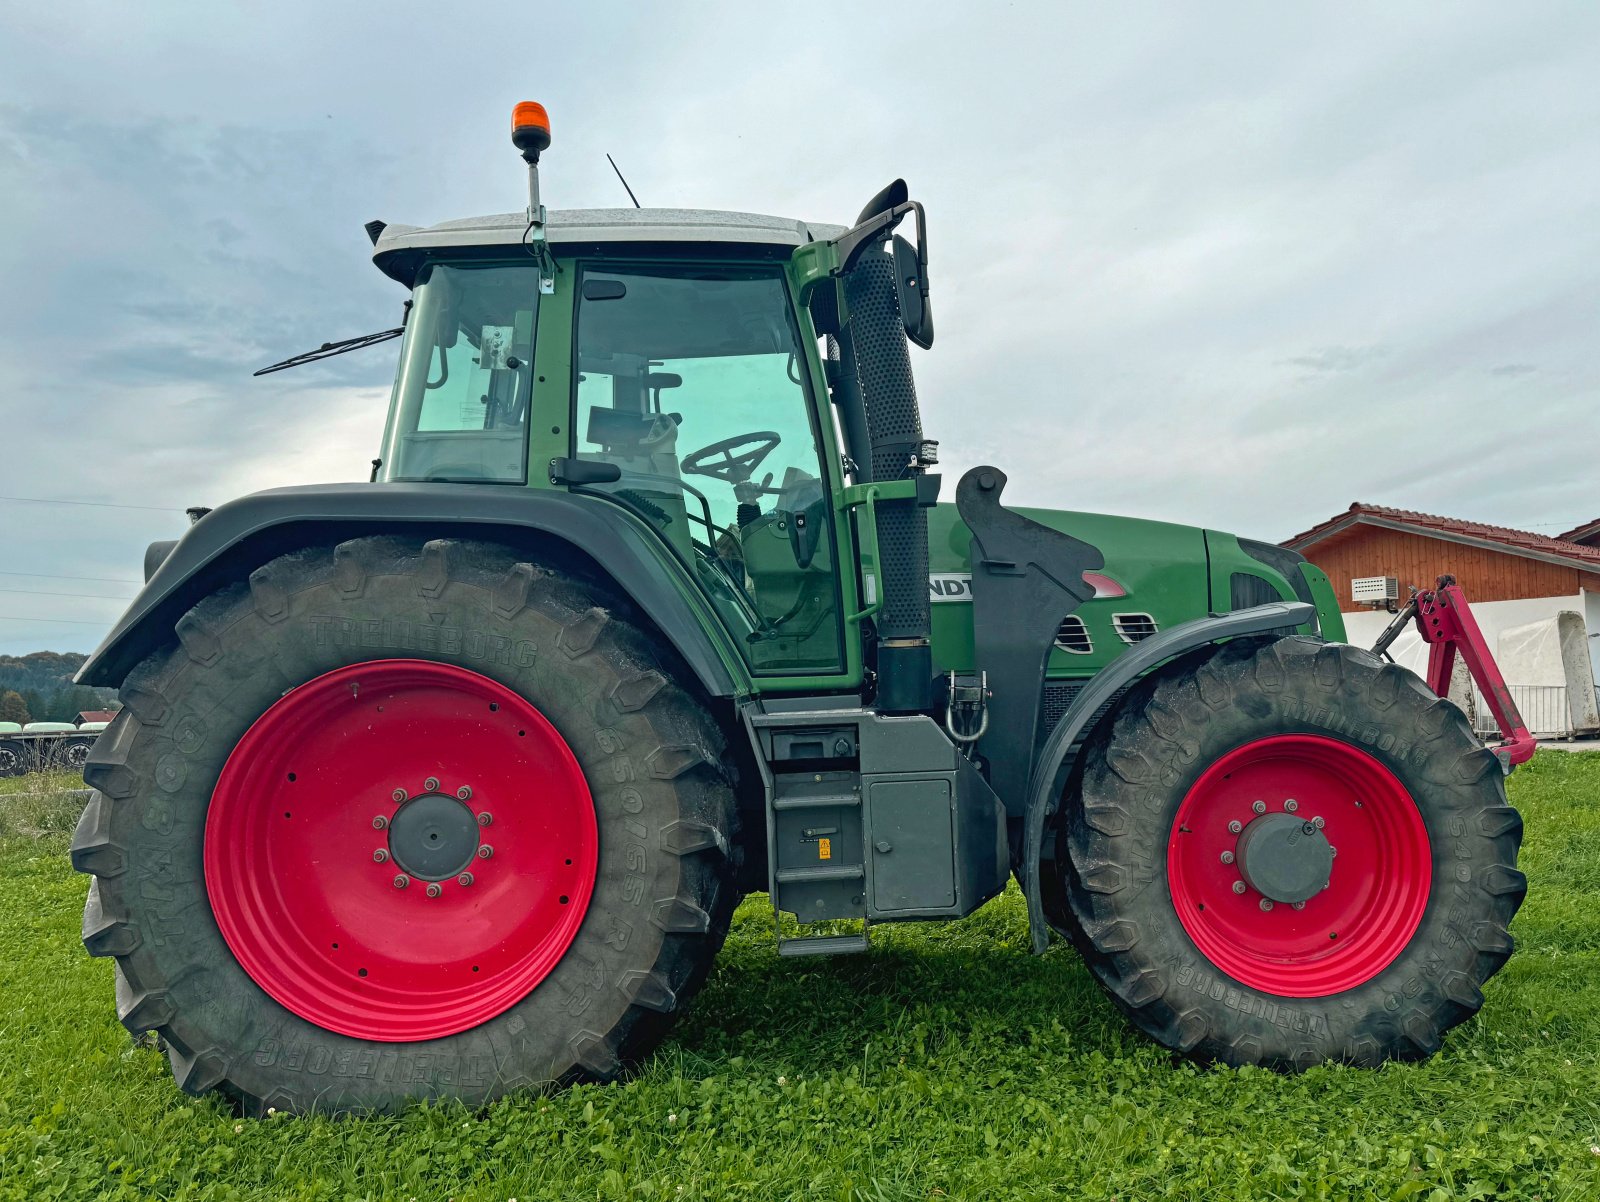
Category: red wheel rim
<point>1378,885</point>
<point>309,828</point>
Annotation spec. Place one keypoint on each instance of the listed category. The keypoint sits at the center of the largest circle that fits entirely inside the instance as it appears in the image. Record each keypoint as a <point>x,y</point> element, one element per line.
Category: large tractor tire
<point>403,821</point>
<point>1289,852</point>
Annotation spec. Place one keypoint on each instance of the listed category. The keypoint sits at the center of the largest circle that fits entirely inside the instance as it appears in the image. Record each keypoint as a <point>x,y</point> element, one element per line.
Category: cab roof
<point>397,250</point>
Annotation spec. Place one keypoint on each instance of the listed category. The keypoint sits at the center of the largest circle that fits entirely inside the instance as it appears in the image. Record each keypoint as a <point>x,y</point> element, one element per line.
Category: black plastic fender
<point>1126,668</point>
<point>225,545</point>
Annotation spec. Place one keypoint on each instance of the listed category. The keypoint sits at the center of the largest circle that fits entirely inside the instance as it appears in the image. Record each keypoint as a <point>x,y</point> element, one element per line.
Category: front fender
<point>232,540</point>
<point>1126,668</point>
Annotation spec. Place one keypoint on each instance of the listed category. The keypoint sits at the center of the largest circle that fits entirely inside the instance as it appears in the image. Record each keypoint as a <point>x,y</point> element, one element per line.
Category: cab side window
<point>690,381</point>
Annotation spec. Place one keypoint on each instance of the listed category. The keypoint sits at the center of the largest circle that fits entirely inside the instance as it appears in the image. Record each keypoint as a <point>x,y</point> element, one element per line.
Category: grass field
<point>946,1064</point>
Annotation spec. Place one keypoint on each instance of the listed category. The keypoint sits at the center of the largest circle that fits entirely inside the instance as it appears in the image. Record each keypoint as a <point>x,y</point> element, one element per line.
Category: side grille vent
<point>1131,628</point>
<point>1073,636</point>
<point>1247,590</point>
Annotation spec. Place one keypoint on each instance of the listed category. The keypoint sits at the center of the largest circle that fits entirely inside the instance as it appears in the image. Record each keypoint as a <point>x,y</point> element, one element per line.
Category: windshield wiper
<point>329,349</point>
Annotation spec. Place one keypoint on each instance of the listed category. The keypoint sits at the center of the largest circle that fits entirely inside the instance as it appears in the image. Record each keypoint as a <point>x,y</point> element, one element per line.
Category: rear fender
<point>228,543</point>
<point>1044,786</point>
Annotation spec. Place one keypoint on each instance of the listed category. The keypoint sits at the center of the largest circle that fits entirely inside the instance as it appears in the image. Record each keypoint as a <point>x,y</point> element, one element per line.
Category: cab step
<point>844,872</point>
<point>824,945</point>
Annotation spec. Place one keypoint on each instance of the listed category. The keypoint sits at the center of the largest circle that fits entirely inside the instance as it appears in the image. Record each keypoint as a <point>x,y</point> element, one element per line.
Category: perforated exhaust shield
<point>875,342</point>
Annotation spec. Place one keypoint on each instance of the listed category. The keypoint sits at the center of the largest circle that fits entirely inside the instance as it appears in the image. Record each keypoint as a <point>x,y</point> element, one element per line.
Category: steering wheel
<point>735,465</point>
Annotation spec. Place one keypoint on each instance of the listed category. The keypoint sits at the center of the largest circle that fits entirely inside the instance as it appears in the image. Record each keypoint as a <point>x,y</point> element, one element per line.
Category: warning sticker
<point>824,849</point>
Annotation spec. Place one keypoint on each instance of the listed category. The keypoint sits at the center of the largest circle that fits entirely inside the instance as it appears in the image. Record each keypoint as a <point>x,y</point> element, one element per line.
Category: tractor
<point>445,784</point>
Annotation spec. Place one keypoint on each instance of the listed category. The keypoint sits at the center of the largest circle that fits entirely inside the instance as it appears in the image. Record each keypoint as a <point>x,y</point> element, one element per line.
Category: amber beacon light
<point>530,129</point>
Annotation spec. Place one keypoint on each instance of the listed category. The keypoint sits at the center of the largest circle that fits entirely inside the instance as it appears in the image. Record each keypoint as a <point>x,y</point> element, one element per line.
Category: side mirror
<point>911,282</point>
<point>875,225</point>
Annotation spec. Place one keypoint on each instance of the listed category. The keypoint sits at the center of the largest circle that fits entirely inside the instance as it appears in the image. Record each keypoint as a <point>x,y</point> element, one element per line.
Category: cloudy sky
<point>1231,264</point>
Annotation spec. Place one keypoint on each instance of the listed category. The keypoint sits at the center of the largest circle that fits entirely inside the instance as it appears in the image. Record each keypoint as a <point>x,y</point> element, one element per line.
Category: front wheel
<point>1287,852</point>
<point>402,821</point>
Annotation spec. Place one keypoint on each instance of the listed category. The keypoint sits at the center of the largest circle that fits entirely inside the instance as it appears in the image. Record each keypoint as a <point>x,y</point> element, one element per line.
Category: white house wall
<point>1494,617</point>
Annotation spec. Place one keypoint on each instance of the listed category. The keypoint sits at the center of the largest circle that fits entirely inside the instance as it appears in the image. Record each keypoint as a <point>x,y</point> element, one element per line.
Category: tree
<point>13,708</point>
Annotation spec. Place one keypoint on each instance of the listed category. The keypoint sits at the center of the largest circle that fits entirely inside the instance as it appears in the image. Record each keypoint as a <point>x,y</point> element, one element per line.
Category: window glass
<point>460,409</point>
<point>690,381</point>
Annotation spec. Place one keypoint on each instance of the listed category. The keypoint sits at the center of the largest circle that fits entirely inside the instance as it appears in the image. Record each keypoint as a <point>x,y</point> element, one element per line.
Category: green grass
<point>947,1064</point>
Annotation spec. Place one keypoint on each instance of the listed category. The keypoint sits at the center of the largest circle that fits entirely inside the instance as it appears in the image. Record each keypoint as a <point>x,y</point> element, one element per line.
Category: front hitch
<point>1444,620</point>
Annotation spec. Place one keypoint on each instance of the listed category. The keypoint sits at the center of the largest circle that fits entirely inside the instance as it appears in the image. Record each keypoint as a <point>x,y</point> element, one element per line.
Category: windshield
<point>690,380</point>
<point>460,408</point>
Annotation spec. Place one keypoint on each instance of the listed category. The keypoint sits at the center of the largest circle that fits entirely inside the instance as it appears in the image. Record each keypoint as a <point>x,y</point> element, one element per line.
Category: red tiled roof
<point>1583,556</point>
<point>97,715</point>
<point>1586,533</point>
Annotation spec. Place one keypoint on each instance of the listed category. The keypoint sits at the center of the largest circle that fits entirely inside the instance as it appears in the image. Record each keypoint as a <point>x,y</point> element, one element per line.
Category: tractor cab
<point>668,362</point>
<point>670,371</point>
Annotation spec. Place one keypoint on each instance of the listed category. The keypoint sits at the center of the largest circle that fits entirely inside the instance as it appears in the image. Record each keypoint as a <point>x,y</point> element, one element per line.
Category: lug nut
<point>1238,886</point>
<point>398,795</point>
<point>485,818</point>
<point>1291,805</point>
<point>434,890</point>
<point>1227,857</point>
<point>1259,807</point>
<point>380,856</point>
<point>464,879</point>
<point>431,785</point>
<point>464,792</point>
<point>379,822</point>
<point>1317,822</point>
<point>1298,905</point>
<point>401,881</point>
<point>1235,826</point>
<point>485,852</point>
<point>1266,903</point>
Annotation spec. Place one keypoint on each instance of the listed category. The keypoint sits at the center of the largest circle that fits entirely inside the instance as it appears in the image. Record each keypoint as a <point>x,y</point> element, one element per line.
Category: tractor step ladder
<point>815,841</point>
<point>823,945</point>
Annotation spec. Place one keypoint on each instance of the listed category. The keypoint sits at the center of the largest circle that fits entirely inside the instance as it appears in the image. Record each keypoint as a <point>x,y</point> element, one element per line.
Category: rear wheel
<point>1288,852</point>
<point>404,821</point>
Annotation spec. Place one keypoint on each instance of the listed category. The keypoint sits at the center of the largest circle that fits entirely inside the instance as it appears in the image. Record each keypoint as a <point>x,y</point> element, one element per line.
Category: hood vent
<point>1131,628</point>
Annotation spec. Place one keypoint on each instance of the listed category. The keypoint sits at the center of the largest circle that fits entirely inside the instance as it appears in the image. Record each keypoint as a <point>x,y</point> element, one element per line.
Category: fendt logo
<point>950,586</point>
<point>957,586</point>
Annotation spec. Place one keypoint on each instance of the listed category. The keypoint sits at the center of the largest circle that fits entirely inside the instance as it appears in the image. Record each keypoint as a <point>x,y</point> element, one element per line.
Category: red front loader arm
<point>1445,621</point>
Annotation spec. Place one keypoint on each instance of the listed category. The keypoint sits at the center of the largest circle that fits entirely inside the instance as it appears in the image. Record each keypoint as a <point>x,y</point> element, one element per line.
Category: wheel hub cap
<point>1299,865</point>
<point>1285,858</point>
<point>400,850</point>
<point>433,837</point>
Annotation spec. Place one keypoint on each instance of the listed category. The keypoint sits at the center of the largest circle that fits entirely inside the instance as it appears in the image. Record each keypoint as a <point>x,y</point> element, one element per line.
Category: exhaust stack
<point>874,341</point>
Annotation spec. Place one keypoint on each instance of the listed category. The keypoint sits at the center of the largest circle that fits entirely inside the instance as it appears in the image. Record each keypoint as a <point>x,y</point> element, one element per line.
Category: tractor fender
<point>225,545</point>
<point>1043,785</point>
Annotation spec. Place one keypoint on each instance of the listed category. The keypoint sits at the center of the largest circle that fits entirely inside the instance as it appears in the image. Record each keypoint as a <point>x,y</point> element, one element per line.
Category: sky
<point>1231,264</point>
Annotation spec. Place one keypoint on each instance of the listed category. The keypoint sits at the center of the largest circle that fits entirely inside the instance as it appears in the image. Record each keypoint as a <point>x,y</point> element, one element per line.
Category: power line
<point>39,592</point>
<point>52,576</point>
<point>92,504</point>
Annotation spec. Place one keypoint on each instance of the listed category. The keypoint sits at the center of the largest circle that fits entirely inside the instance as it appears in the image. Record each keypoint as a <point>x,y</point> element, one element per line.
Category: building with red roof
<point>1512,577</point>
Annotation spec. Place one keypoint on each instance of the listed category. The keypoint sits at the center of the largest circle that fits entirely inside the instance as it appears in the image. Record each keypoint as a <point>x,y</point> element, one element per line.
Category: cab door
<point>694,381</point>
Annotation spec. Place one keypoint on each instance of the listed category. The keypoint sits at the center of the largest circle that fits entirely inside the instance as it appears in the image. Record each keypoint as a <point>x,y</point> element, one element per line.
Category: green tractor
<point>446,785</point>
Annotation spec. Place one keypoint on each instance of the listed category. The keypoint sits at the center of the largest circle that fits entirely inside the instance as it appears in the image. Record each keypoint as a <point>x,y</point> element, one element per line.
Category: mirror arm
<point>851,245</point>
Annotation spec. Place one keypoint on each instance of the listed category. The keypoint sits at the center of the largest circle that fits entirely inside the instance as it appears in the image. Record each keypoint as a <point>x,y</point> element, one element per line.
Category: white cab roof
<point>608,225</point>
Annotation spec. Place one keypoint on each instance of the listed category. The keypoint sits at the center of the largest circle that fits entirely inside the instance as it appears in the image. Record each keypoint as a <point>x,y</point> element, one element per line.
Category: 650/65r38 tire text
<point>401,821</point>
<point>1288,852</point>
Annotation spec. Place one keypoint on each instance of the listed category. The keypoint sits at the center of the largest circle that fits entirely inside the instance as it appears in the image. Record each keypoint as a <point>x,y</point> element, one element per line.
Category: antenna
<point>625,187</point>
